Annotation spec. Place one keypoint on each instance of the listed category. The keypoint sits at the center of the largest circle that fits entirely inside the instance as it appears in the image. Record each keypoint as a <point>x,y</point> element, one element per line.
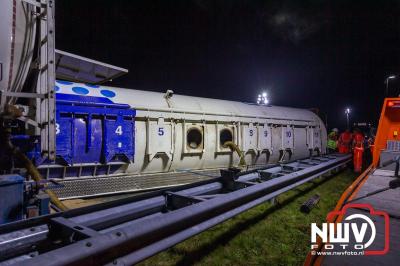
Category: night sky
<point>308,54</point>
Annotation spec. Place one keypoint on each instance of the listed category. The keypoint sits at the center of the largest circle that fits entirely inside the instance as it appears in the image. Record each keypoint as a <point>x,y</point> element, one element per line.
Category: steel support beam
<point>132,231</point>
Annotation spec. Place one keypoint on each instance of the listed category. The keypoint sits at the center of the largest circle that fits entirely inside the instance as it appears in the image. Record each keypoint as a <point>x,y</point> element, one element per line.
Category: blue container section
<point>12,198</point>
<point>94,136</point>
<point>93,130</point>
<point>30,145</point>
<point>90,131</point>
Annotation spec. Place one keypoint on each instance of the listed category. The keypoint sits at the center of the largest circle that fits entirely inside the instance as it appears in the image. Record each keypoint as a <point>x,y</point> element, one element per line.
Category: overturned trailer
<point>137,133</point>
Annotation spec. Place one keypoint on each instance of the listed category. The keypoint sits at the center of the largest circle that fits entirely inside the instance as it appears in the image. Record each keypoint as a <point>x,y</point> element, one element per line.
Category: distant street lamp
<point>262,99</point>
<point>387,83</point>
<point>347,112</point>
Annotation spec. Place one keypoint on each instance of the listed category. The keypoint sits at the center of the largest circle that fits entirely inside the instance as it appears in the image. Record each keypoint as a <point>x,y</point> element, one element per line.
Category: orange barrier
<point>347,195</point>
<point>389,126</point>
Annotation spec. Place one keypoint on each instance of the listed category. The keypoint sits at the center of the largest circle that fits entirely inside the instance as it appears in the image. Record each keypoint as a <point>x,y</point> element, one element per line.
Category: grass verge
<point>265,235</point>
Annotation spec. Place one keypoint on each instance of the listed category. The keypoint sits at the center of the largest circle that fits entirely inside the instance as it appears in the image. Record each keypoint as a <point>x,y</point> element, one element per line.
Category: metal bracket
<point>290,169</point>
<point>70,229</point>
<point>229,175</point>
<point>29,121</point>
<point>175,201</point>
<point>229,180</point>
<point>265,175</point>
<point>22,94</point>
<point>308,162</point>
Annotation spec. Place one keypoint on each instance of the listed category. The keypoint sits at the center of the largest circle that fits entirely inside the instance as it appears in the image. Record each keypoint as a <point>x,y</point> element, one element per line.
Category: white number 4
<point>118,131</point>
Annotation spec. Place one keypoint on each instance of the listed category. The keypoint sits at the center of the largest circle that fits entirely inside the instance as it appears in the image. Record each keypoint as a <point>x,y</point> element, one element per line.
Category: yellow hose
<point>234,147</point>
<point>34,173</point>
<point>13,112</point>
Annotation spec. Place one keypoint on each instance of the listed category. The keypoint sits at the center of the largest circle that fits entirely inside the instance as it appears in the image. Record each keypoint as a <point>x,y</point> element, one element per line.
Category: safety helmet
<point>335,130</point>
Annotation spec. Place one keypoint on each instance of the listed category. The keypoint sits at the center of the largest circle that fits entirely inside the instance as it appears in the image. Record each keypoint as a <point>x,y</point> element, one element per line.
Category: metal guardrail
<point>130,230</point>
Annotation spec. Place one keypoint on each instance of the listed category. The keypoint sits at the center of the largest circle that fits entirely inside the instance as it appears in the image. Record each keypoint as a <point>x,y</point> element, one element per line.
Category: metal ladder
<point>44,115</point>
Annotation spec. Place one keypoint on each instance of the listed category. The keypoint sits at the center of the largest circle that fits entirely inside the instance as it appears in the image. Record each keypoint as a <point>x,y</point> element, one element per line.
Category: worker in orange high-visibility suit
<point>345,141</point>
<point>358,150</point>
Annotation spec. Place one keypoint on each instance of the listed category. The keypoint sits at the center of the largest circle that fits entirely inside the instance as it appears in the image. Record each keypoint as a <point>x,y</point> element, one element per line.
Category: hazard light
<point>393,104</point>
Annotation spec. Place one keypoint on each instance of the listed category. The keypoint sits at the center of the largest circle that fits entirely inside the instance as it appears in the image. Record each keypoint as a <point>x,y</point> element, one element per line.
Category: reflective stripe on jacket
<point>332,144</point>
